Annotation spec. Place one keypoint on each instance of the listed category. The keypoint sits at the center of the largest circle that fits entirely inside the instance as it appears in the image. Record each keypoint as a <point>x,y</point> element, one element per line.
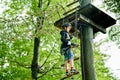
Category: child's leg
<point>66,65</point>
<point>73,71</point>
<point>72,63</point>
<point>71,59</point>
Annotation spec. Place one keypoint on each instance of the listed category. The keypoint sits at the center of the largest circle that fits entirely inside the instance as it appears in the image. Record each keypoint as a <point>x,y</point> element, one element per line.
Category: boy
<point>66,48</point>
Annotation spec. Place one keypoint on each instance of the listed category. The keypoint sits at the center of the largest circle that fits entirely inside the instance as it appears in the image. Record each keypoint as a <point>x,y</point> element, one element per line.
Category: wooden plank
<point>69,76</point>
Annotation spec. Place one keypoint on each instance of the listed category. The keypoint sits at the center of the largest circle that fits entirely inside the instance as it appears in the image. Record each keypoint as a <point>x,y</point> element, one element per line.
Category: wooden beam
<point>90,22</point>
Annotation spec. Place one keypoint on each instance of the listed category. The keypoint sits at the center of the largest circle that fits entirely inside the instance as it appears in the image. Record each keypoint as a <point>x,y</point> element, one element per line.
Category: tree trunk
<point>35,61</point>
<point>34,66</point>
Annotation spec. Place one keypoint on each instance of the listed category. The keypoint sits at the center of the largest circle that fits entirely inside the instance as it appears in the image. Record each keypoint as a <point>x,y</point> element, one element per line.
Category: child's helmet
<point>67,24</point>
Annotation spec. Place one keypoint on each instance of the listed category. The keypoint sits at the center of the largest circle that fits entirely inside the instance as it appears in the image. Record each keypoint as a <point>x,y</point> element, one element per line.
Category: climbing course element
<point>71,75</point>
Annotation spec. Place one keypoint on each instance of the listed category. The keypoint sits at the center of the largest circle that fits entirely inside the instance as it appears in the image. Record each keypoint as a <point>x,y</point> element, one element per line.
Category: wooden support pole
<point>87,57</point>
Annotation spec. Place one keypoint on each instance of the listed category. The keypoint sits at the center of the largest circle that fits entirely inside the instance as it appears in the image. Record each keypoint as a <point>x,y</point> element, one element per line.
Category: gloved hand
<point>69,43</point>
<point>74,45</point>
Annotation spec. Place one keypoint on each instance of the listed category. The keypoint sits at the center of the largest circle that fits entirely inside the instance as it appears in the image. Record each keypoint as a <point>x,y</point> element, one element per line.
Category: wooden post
<point>87,57</point>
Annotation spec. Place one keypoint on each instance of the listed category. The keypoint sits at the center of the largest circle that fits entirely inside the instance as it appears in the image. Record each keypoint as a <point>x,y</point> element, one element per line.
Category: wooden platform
<point>88,15</point>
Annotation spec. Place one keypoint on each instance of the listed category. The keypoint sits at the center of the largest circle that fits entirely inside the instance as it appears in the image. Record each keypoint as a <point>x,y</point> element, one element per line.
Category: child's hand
<point>74,45</point>
<point>69,43</point>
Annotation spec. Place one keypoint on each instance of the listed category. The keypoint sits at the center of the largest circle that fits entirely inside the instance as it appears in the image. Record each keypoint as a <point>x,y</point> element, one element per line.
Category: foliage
<point>102,72</point>
<point>113,5</point>
<point>114,32</point>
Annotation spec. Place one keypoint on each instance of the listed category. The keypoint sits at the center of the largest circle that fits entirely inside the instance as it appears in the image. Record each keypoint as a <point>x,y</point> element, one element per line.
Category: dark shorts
<point>68,55</point>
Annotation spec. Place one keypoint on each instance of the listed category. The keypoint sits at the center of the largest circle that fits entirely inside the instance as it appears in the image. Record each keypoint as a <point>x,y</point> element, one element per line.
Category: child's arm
<point>74,45</point>
<point>64,39</point>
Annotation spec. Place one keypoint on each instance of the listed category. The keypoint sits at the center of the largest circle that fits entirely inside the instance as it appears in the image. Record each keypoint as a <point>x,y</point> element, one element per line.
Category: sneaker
<point>73,71</point>
<point>68,74</point>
